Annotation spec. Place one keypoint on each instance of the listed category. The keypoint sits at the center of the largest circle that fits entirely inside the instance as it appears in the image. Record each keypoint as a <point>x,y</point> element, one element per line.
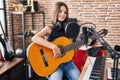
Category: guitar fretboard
<point>72,46</point>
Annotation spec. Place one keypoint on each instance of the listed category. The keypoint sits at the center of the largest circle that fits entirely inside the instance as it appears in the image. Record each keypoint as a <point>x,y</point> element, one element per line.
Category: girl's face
<point>62,13</point>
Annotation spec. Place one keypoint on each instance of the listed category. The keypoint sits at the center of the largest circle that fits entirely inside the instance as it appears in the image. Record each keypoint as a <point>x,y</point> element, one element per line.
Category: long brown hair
<point>57,9</point>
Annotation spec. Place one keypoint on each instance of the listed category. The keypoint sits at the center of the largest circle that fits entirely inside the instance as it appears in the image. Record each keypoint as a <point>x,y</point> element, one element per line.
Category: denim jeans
<point>68,69</point>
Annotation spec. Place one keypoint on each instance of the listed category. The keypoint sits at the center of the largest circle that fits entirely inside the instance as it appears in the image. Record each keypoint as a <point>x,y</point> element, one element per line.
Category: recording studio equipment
<point>71,28</point>
<point>90,32</point>
<point>94,51</point>
<point>117,48</point>
<point>95,69</point>
<point>101,33</point>
<point>35,5</point>
<point>59,25</point>
<point>112,52</point>
<point>110,73</point>
<point>99,36</point>
<point>85,35</point>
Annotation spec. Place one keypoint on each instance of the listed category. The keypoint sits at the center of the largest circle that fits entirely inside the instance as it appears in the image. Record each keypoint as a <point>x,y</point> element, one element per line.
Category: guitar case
<point>6,55</point>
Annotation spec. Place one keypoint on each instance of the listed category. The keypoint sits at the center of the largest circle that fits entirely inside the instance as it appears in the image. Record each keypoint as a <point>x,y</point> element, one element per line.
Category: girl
<point>60,15</point>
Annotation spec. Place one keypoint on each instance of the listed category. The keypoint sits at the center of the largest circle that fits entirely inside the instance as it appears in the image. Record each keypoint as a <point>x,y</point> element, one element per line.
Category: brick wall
<point>105,14</point>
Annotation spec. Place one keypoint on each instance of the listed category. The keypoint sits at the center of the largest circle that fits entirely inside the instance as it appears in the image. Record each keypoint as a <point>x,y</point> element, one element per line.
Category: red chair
<point>81,56</point>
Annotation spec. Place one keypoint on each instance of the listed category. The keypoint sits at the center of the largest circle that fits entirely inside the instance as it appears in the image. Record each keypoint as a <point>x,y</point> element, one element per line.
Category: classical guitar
<point>42,59</point>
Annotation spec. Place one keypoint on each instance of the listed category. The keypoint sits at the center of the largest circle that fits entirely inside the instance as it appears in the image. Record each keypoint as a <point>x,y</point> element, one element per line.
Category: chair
<point>81,56</point>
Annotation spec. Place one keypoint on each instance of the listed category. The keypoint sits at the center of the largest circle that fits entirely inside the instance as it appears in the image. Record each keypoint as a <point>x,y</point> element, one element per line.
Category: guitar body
<point>36,59</point>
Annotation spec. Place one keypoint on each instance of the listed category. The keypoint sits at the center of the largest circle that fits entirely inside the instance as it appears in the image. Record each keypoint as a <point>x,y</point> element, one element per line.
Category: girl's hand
<point>56,51</point>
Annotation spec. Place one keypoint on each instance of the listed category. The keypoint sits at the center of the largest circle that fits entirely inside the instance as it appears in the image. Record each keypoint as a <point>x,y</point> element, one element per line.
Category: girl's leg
<point>71,71</point>
<point>57,75</point>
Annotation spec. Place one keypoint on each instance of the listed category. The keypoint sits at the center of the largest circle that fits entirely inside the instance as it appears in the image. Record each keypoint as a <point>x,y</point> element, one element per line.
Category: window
<point>2,17</point>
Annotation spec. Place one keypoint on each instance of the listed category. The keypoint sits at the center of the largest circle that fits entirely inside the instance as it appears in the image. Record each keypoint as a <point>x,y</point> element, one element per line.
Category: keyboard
<point>95,70</point>
<point>110,73</point>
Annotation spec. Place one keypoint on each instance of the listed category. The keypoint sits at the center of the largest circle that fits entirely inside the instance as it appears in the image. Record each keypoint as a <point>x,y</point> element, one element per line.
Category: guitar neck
<point>72,46</point>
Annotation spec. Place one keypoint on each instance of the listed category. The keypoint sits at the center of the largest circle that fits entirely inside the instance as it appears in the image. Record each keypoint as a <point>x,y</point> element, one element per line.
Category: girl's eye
<point>63,12</point>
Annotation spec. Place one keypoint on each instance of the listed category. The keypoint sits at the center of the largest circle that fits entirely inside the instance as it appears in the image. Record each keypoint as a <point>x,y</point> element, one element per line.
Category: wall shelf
<point>23,26</point>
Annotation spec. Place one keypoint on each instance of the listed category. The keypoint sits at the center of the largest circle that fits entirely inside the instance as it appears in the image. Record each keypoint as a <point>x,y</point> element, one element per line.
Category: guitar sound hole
<point>43,57</point>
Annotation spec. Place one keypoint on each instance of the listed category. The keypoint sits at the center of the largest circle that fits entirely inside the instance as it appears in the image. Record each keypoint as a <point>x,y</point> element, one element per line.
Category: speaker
<point>36,5</point>
<point>24,2</point>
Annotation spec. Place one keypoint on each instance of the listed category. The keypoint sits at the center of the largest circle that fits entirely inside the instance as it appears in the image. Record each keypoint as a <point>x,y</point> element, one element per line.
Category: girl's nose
<point>63,13</point>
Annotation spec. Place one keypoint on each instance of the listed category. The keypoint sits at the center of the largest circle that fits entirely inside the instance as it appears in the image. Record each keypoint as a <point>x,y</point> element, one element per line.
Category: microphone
<point>72,29</point>
<point>117,48</point>
<point>85,35</point>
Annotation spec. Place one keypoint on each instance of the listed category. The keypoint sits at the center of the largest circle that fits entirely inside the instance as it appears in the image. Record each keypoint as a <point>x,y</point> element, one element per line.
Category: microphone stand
<point>112,52</point>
